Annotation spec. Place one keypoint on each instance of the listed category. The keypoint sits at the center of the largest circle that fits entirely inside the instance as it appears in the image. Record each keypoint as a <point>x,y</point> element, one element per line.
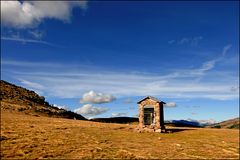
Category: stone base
<point>149,129</point>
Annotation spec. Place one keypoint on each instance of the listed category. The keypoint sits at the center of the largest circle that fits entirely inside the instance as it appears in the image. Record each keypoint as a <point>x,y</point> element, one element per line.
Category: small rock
<point>98,149</point>
<point>148,130</point>
<point>151,127</point>
<point>179,145</point>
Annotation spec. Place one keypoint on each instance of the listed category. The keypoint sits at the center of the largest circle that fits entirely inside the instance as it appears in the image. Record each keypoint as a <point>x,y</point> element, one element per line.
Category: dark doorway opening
<point>148,116</point>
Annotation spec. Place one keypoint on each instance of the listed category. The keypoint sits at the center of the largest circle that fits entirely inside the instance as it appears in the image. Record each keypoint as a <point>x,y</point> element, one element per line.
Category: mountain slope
<point>230,124</point>
<point>18,99</point>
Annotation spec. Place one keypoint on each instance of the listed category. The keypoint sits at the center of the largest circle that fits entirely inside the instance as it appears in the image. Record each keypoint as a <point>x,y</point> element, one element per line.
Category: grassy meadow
<point>25,136</point>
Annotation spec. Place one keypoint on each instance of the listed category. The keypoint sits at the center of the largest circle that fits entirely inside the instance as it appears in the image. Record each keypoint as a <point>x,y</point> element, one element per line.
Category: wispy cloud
<point>225,49</point>
<point>120,84</point>
<point>186,40</point>
<point>193,113</point>
<point>38,88</point>
<point>26,36</point>
<point>63,81</point>
<point>32,84</point>
<point>25,40</point>
<point>119,114</point>
<point>27,64</point>
<point>235,89</point>
<point>171,41</point>
<point>208,65</point>
<point>127,100</point>
<point>192,106</point>
<point>132,108</point>
<point>37,34</point>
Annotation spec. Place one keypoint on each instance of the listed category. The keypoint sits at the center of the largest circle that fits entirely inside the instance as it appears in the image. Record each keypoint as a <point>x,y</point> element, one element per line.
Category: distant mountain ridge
<point>176,123</point>
<point>183,123</point>
<point>18,99</point>
<point>190,123</point>
<point>115,120</point>
<point>230,124</point>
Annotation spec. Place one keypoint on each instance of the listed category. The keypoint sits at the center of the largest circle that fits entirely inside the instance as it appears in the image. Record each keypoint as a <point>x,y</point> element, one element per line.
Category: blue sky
<point>112,54</point>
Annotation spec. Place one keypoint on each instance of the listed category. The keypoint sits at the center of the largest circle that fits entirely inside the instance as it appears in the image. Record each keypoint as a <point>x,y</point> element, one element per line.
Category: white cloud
<point>119,114</point>
<point>93,97</point>
<point>170,104</point>
<point>27,14</point>
<point>89,110</point>
<point>61,107</point>
<point>203,122</point>
<point>207,121</point>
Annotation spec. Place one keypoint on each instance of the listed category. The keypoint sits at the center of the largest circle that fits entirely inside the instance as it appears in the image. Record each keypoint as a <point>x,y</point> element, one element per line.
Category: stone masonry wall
<point>156,106</point>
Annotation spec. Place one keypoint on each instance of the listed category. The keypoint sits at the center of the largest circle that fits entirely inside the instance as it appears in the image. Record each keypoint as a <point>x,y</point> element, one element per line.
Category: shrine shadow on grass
<point>173,130</point>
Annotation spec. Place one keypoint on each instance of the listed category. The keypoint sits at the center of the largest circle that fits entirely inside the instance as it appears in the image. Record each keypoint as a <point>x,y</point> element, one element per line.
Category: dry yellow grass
<point>25,136</point>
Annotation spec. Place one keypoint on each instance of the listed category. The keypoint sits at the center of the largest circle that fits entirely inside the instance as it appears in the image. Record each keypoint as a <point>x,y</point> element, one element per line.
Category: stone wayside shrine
<point>151,116</point>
